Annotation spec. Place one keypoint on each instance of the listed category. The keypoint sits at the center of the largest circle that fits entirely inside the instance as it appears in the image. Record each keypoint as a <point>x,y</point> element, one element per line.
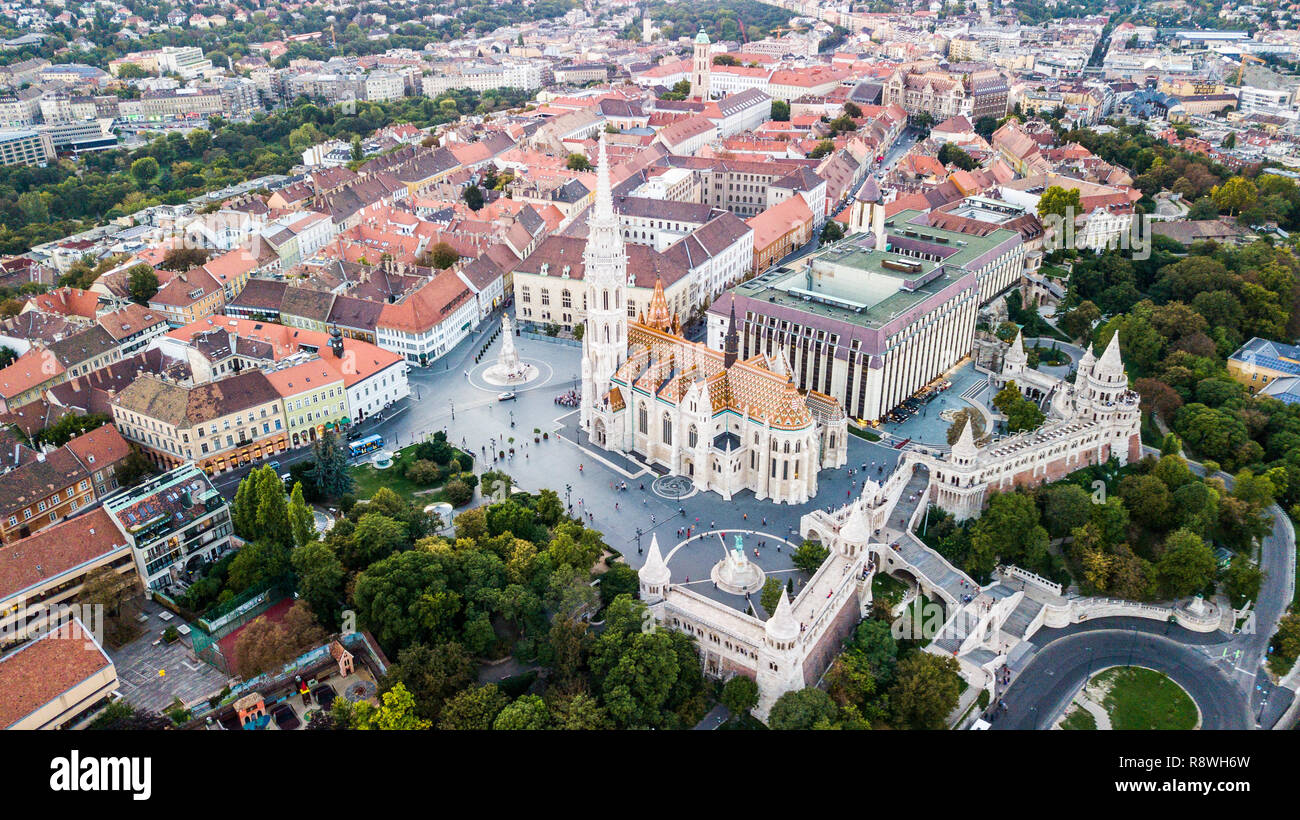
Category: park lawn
<point>368,480</point>
<point>1079,719</point>
<point>1142,698</point>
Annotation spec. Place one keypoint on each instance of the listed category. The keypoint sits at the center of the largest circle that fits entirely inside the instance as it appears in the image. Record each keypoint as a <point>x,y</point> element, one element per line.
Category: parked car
<point>285,717</point>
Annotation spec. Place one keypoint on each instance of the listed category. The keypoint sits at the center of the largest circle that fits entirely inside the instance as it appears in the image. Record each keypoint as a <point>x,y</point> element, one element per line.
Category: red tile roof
<point>37,673</point>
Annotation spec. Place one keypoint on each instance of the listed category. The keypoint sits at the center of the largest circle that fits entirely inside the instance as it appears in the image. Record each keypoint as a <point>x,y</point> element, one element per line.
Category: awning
<point>344,420</point>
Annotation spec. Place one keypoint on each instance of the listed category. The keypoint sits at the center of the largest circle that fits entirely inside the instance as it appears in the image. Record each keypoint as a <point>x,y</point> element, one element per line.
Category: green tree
<point>739,695</point>
<point>578,713</point>
<point>1065,507</point>
<point>301,518</point>
<point>780,110</point>
<point>950,154</point>
<point>320,578</point>
<point>272,522</point>
<point>1186,565</point>
<point>1059,201</point>
<point>528,712</point>
<point>1009,530</point>
<point>1237,194</point>
<point>832,231</point>
<point>802,709</point>
<point>619,579</point>
<point>144,171</point>
<point>473,196</point>
<point>142,284</point>
<point>809,556</point>
<point>432,674</point>
<point>771,594</point>
<point>1022,414</point>
<point>441,256</point>
<point>258,562</point>
<point>1078,321</point>
<point>331,472</point>
<point>1242,581</point>
<point>925,690</point>
<point>397,713</point>
<point>473,709</point>
<point>578,162</point>
<point>375,538</point>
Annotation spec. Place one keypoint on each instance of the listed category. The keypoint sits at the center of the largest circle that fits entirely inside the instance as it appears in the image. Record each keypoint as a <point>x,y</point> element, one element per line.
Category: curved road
<point>1056,673</point>
<point>1223,673</point>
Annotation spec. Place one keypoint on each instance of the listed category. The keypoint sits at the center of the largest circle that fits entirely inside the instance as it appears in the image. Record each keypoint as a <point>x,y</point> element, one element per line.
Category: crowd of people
<point>569,399</point>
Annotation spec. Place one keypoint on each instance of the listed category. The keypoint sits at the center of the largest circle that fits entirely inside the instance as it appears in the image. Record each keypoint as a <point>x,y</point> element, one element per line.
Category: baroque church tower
<point>604,337</point>
<point>701,67</point>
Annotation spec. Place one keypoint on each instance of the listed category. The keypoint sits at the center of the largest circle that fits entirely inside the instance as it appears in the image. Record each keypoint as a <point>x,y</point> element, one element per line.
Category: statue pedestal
<point>737,575</point>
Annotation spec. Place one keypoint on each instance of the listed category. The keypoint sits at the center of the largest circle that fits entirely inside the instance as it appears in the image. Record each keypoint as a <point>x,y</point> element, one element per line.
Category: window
<point>667,429</point>
<point>643,419</point>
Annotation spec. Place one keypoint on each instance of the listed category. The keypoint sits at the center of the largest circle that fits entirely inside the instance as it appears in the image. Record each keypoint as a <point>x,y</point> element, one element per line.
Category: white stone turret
<point>780,661</point>
<point>1016,359</point>
<point>965,451</point>
<point>1110,367</point>
<point>857,530</point>
<point>781,629</point>
<point>654,575</point>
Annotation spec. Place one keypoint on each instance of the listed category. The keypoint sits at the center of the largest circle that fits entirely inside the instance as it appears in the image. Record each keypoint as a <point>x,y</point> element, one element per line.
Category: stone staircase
<point>1017,623</point>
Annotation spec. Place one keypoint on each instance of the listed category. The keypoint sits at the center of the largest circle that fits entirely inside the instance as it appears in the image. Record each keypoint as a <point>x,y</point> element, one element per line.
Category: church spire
<point>604,191</point>
<point>660,318</point>
<point>731,345</point>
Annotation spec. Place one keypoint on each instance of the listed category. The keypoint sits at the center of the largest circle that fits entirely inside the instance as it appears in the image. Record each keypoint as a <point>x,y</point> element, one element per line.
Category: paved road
<point>1223,673</point>
<point>1047,685</point>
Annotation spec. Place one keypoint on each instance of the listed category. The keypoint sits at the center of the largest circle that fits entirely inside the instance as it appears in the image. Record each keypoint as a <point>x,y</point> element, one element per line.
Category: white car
<point>509,395</point>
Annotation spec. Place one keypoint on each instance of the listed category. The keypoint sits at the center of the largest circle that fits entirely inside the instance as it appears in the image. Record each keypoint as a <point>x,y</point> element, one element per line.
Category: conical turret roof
<point>965,446</point>
<point>1017,354</point>
<point>857,530</point>
<point>781,626</point>
<point>1110,361</point>
<point>655,571</point>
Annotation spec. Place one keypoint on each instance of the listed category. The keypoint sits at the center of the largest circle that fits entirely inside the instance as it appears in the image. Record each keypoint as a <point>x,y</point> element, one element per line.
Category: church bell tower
<point>604,338</point>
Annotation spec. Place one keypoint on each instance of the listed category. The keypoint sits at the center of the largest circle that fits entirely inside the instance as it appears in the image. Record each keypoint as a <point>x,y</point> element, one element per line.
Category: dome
<point>702,39</point>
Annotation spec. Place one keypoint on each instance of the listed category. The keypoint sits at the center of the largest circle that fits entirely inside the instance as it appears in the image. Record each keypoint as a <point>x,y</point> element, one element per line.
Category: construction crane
<point>1242,70</point>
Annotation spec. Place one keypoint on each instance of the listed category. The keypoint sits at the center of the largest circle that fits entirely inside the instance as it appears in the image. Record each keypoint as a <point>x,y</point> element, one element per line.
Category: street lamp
<point>568,500</point>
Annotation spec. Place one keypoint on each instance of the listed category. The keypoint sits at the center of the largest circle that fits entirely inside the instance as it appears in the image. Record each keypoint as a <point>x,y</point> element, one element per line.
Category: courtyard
<point>153,673</point>
<point>455,398</point>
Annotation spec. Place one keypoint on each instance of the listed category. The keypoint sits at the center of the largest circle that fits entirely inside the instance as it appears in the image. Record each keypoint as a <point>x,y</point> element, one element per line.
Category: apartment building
<point>25,147</point>
<point>313,397</point>
<point>220,425</point>
<point>42,488</point>
<point>174,522</point>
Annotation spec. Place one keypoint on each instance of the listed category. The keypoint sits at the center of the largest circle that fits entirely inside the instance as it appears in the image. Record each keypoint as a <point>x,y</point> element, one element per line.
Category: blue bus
<point>366,445</point>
